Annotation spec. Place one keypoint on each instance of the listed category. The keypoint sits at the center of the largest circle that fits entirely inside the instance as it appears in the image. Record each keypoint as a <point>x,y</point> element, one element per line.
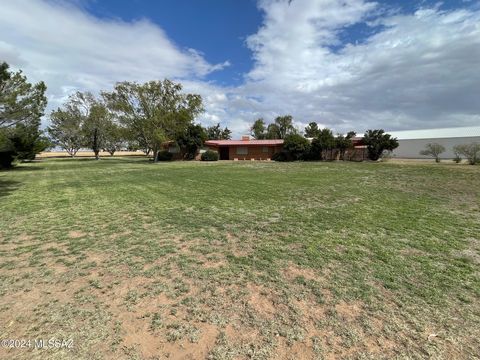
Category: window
<point>265,149</point>
<point>242,150</point>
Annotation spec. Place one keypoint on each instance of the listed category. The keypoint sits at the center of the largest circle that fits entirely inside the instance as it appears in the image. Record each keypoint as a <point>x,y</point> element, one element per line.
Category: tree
<point>434,150</point>
<point>115,137</point>
<point>7,151</point>
<point>20,101</point>
<point>324,142</point>
<point>377,142</point>
<point>95,126</point>
<point>273,131</point>
<point>258,129</point>
<point>28,140</point>
<point>297,146</point>
<point>285,125</point>
<point>21,107</point>
<point>470,151</point>
<point>342,143</point>
<point>191,140</point>
<point>312,130</point>
<point>217,133</point>
<point>155,112</point>
<point>65,129</point>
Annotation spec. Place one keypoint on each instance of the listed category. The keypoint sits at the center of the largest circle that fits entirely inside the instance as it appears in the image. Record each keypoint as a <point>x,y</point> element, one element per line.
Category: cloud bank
<point>410,70</point>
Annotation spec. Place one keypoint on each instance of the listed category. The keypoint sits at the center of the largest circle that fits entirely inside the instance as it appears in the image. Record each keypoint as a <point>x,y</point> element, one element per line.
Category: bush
<point>6,159</point>
<point>282,156</point>
<point>470,151</point>
<point>434,150</point>
<point>164,155</point>
<point>377,142</point>
<point>7,152</point>
<point>297,146</point>
<point>210,155</point>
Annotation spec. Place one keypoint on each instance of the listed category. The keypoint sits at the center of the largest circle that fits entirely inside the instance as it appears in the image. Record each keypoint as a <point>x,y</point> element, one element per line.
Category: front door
<point>224,153</point>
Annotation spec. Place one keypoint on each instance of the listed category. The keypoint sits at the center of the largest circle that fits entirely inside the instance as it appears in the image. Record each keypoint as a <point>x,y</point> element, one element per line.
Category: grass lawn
<point>234,260</point>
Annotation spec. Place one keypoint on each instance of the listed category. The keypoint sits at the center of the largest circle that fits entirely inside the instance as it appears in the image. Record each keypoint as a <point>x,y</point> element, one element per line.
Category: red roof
<point>244,142</point>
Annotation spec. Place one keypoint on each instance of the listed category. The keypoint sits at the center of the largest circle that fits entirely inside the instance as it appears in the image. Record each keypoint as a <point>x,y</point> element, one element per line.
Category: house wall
<point>410,149</point>
<point>254,152</point>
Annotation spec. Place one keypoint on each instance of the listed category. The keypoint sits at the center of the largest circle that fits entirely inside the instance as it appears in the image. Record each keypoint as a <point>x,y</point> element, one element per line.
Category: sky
<point>345,64</point>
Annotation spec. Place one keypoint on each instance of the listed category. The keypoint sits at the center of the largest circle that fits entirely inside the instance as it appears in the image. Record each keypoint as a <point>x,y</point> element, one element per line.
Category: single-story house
<point>411,142</point>
<point>245,149</point>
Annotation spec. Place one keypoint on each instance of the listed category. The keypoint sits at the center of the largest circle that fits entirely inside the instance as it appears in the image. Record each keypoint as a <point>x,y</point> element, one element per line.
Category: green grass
<point>241,260</point>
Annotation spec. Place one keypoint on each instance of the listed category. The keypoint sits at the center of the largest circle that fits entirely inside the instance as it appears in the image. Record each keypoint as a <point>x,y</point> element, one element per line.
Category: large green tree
<point>273,132</point>
<point>344,142</point>
<point>322,144</point>
<point>297,146</point>
<point>155,112</point>
<point>215,132</point>
<point>115,137</point>
<point>312,130</point>
<point>191,140</point>
<point>285,125</point>
<point>20,101</point>
<point>95,127</point>
<point>66,124</point>
<point>21,106</point>
<point>258,129</point>
<point>377,141</point>
<point>281,127</point>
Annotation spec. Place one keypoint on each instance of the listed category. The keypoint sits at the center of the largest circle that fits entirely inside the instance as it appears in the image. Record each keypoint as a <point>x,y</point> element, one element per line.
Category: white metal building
<point>411,142</point>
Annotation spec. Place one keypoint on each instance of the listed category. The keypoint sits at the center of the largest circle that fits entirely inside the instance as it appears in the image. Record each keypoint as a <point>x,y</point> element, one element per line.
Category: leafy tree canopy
<point>434,150</point>
<point>312,130</point>
<point>20,101</point>
<point>258,129</point>
<point>156,111</point>
<point>377,141</point>
<point>215,132</point>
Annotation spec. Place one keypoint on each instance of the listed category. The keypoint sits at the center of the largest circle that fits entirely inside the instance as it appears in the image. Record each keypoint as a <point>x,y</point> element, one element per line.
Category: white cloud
<point>62,44</point>
<point>418,70</point>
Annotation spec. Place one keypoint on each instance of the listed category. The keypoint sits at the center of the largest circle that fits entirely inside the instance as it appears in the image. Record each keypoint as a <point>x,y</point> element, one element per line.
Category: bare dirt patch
<point>76,234</point>
<point>349,311</point>
<point>293,271</point>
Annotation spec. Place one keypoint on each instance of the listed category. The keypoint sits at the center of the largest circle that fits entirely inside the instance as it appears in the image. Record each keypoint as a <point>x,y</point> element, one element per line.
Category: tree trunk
<point>96,149</point>
<point>155,155</point>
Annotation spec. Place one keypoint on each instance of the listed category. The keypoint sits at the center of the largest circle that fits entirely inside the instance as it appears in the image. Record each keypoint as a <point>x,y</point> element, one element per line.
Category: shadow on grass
<point>7,187</point>
<point>22,167</point>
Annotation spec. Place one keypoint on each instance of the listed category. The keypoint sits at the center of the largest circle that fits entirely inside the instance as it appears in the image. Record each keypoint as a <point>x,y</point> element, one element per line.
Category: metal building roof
<point>457,132</point>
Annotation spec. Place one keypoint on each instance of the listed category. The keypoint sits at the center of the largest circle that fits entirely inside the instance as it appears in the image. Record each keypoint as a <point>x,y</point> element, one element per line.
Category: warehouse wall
<point>410,149</point>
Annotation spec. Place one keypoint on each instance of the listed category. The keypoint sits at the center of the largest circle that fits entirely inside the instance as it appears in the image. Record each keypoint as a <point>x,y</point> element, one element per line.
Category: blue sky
<point>345,64</point>
<point>217,28</point>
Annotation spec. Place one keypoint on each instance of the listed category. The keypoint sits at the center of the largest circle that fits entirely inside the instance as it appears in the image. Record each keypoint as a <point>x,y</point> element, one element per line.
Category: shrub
<point>297,146</point>
<point>210,155</point>
<point>7,152</point>
<point>282,156</point>
<point>164,155</point>
<point>377,142</point>
<point>6,159</point>
<point>434,150</point>
<point>470,151</point>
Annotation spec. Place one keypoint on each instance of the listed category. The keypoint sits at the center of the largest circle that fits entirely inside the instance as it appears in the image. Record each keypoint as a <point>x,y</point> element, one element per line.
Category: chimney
<point>245,137</point>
